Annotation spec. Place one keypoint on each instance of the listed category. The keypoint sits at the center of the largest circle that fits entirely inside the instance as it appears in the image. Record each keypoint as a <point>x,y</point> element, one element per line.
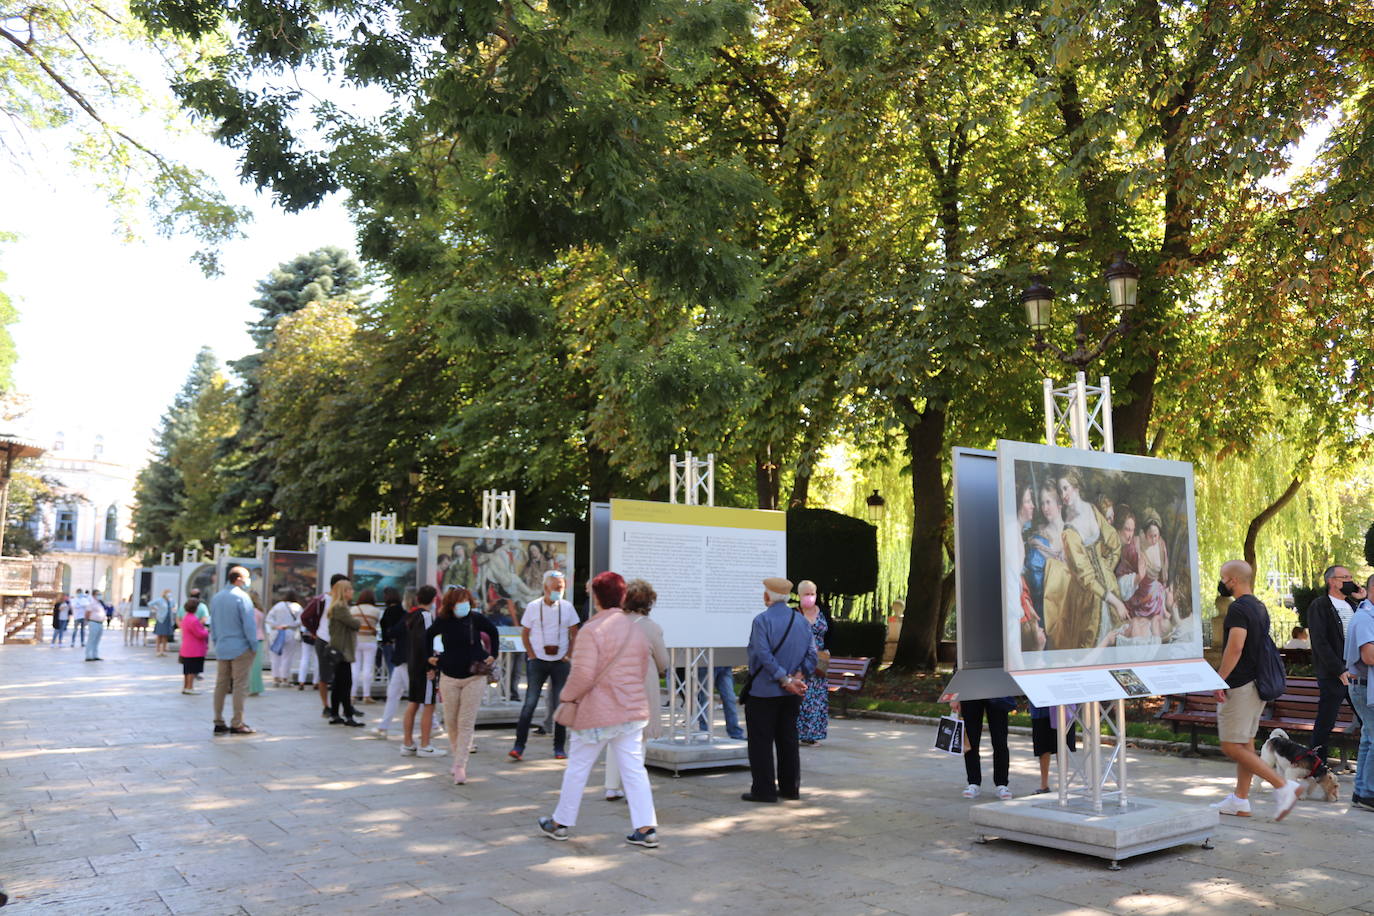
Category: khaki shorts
<point>1238,718</point>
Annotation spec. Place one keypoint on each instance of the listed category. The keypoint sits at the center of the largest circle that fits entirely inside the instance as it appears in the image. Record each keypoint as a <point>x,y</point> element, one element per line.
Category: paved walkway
<point>115,798</point>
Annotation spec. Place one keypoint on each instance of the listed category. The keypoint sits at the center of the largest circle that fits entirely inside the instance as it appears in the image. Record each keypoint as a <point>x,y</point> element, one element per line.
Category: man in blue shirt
<point>1359,659</point>
<point>781,656</point>
<point>235,632</point>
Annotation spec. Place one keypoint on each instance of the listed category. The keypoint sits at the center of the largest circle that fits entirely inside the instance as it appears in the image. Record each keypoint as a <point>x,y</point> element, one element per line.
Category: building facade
<point>88,530</point>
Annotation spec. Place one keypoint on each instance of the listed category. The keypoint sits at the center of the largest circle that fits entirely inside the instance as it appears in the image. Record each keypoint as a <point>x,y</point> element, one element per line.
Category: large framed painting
<point>292,571</point>
<point>378,573</point>
<point>1099,559</point>
<point>504,570</point>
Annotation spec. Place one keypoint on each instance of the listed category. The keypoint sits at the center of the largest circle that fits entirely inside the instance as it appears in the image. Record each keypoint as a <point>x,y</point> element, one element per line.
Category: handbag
<point>949,736</point>
<point>566,713</point>
<point>748,682</point>
<point>486,665</point>
<point>278,642</point>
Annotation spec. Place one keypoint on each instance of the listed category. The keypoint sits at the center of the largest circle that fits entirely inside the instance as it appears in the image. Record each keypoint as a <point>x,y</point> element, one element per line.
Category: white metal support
<point>264,546</point>
<point>190,554</point>
<point>318,534</point>
<point>498,509</point>
<point>692,478</point>
<point>1082,410</point>
<point>383,529</point>
<point>169,558</point>
<point>221,552</point>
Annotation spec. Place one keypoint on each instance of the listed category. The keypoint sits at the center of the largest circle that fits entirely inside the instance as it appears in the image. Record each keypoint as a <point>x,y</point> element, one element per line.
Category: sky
<point>108,329</point>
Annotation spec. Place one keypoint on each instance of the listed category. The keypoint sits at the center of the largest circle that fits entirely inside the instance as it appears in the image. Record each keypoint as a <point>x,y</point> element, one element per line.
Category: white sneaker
<point>1240,807</point>
<point>1285,799</point>
<point>407,750</point>
<point>1003,793</point>
<point>430,750</point>
<point>380,733</point>
<point>614,795</point>
<point>972,791</point>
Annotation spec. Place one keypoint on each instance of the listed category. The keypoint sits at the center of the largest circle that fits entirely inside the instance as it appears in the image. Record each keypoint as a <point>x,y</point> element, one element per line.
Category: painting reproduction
<point>1099,556</point>
<point>504,572</point>
<point>292,571</point>
<point>378,573</point>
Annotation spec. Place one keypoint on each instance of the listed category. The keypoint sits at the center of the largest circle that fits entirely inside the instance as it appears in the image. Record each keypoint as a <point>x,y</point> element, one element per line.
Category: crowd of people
<point>602,675</point>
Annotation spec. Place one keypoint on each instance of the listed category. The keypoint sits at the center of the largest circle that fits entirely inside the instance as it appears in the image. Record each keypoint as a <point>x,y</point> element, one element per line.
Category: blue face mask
<point>462,608</point>
<point>556,595</point>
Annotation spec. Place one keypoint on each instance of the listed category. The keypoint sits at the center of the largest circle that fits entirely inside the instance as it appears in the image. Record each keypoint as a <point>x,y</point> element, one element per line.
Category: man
<point>235,633</point>
<point>1328,619</point>
<point>1239,706</point>
<point>1359,657</point>
<point>782,655</point>
<point>61,613</point>
<point>80,605</point>
<point>553,623</point>
<point>95,621</point>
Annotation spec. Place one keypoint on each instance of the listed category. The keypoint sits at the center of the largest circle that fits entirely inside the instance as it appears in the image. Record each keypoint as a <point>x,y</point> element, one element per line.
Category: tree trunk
<point>766,479</point>
<point>925,438</point>
<point>1131,421</point>
<point>1258,522</point>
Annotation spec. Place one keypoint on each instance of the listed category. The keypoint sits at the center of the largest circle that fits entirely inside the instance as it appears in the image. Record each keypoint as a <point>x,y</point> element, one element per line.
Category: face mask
<point>808,601</point>
<point>1349,589</point>
<point>1223,589</point>
<point>556,595</point>
<point>462,608</point>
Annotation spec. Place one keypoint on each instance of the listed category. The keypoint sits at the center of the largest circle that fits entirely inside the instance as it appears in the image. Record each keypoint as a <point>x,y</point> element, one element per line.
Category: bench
<point>846,677</point>
<point>1295,712</point>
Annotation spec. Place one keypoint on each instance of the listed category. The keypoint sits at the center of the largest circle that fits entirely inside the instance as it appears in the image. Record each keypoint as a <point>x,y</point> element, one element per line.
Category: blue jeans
<point>388,650</point>
<point>80,628</point>
<point>1364,777</point>
<point>57,632</point>
<point>723,677</point>
<point>93,647</point>
<point>537,671</point>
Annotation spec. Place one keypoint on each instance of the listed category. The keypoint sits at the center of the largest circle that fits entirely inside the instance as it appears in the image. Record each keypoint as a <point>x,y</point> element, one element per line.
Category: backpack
<point>310,617</point>
<point>1270,676</point>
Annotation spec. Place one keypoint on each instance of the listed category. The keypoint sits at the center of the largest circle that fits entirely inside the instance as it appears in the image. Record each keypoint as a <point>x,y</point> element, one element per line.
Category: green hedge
<point>857,639</point>
<point>838,552</point>
<point>1302,597</point>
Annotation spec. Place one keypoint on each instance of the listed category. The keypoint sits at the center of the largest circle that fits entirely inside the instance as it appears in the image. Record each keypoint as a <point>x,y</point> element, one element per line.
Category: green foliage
<point>857,638</point>
<point>837,552</point>
<point>1369,545</point>
<point>8,316</point>
<point>1304,595</point>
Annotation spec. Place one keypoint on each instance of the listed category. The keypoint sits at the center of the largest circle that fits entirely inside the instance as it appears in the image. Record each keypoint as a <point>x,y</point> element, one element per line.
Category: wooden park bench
<point>1295,712</point>
<point>846,677</point>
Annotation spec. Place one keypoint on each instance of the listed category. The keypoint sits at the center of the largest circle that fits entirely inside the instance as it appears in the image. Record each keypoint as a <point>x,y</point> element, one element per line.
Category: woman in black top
<point>392,614</point>
<point>462,644</point>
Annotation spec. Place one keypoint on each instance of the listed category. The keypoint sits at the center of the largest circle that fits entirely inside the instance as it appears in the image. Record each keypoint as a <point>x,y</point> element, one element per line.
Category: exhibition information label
<point>707,564</point>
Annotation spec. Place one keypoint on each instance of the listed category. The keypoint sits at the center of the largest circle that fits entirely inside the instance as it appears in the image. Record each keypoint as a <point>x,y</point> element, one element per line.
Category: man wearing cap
<point>548,629</point>
<point>782,655</point>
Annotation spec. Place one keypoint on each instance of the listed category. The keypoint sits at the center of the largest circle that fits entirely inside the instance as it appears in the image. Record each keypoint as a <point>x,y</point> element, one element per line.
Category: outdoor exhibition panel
<point>707,564</point>
<point>291,571</point>
<point>368,565</point>
<point>504,570</point>
<point>197,575</point>
<point>163,578</point>
<point>255,573</point>
<point>1100,591</point>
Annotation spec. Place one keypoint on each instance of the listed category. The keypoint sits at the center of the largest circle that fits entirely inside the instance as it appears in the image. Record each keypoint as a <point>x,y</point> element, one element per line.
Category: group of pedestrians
<point>85,614</point>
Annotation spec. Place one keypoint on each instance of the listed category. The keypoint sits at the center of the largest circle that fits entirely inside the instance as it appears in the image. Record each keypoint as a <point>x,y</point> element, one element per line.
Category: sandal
<point>241,730</point>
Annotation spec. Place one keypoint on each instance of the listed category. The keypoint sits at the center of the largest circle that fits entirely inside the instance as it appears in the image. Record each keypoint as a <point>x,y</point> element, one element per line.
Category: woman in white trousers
<point>285,616</point>
<point>639,600</point>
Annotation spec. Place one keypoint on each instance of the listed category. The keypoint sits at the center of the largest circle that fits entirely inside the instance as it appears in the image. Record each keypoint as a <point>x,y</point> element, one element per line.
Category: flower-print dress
<point>814,719</point>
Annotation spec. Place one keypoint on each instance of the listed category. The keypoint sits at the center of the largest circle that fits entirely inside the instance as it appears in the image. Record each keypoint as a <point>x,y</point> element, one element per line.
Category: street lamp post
<point>877,507</point>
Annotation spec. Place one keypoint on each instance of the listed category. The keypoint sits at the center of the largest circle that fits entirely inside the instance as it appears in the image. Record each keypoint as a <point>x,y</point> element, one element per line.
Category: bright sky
<point>108,330</point>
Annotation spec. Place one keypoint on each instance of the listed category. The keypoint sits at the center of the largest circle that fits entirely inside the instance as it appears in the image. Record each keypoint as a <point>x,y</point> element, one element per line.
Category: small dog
<point>1300,764</point>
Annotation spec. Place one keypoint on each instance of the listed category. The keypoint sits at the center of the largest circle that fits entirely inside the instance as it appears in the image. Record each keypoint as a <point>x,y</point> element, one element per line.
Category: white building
<point>89,532</point>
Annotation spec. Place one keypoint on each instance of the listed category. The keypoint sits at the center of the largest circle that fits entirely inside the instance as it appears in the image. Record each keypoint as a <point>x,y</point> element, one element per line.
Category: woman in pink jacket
<point>194,640</point>
<point>606,687</point>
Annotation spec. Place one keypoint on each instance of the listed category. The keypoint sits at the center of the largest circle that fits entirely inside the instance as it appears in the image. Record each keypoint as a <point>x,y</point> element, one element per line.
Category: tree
<point>160,489</point>
<point>212,417</point>
<point>8,316</point>
<point>248,497</point>
<point>66,73</point>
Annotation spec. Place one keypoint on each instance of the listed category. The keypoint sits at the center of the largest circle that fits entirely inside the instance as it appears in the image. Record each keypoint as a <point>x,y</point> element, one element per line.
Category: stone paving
<point>117,799</point>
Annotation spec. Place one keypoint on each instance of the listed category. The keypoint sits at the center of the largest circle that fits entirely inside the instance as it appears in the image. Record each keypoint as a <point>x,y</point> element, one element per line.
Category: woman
<point>1091,551</point>
<point>1152,572</point>
<point>639,600</point>
<point>343,641</point>
<point>1128,566</point>
<point>421,688</point>
<point>369,617</point>
<point>1047,576</point>
<point>814,719</point>
<point>285,617</point>
<point>463,665</point>
<point>195,639</point>
<point>166,621</point>
<point>608,707</point>
<point>255,686</point>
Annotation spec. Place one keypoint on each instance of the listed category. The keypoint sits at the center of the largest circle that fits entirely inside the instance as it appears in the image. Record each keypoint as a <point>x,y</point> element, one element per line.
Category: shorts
<point>1239,717</point>
<point>421,688</point>
<point>192,665</point>
<point>326,661</point>
<point>1045,737</point>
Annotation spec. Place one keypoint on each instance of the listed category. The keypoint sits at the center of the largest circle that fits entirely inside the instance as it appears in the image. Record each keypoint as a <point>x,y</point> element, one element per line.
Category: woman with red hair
<point>604,704</point>
<point>469,642</point>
